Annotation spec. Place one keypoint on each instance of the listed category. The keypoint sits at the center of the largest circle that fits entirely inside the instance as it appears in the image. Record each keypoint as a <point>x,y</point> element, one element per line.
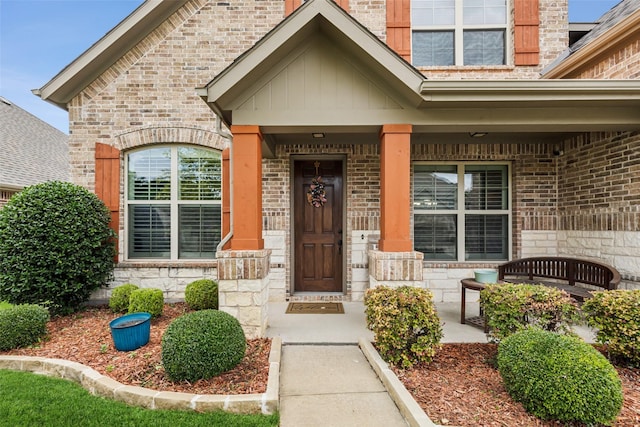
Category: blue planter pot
<point>131,331</point>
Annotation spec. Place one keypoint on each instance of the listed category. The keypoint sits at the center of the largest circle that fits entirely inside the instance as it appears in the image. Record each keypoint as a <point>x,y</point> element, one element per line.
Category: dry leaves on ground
<point>85,337</point>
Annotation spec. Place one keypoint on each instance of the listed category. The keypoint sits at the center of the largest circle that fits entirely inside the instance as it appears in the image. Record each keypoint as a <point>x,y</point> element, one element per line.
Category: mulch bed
<point>85,337</point>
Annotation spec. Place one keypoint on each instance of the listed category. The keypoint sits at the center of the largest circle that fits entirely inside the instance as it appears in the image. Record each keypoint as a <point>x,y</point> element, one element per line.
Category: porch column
<point>395,263</point>
<point>395,198</point>
<point>247,188</point>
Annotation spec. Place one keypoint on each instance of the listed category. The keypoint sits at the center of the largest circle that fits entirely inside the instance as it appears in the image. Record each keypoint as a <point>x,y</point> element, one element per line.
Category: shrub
<point>22,325</point>
<point>148,300</point>
<point>56,246</point>
<point>119,301</point>
<point>201,345</point>
<point>405,324</point>
<point>202,294</point>
<point>616,316</point>
<point>509,308</point>
<point>4,305</point>
<point>559,377</point>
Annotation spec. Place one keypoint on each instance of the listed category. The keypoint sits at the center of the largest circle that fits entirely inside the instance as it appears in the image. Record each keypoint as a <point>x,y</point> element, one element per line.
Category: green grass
<point>28,399</point>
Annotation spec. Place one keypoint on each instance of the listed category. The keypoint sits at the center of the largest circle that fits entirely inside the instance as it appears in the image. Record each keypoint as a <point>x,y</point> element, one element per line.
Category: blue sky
<point>38,38</point>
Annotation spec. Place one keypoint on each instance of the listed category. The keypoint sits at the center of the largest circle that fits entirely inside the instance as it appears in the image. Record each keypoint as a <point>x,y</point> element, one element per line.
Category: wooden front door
<point>318,229</point>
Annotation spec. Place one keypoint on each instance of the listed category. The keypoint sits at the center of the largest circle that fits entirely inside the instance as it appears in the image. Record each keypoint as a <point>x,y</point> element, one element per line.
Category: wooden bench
<point>568,274</point>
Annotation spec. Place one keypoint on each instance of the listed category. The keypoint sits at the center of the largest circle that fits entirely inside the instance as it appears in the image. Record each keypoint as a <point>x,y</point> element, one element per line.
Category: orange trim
<point>247,188</point>
<point>399,27</point>
<point>395,180</point>
<point>107,176</point>
<point>226,205</point>
<point>526,32</point>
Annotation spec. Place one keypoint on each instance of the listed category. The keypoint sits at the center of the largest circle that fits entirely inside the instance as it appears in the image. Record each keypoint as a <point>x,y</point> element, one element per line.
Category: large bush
<point>509,308</point>
<point>119,300</point>
<point>616,316</point>
<point>56,246</point>
<point>559,377</point>
<point>202,294</point>
<point>201,345</point>
<point>150,300</point>
<point>22,325</point>
<point>405,324</point>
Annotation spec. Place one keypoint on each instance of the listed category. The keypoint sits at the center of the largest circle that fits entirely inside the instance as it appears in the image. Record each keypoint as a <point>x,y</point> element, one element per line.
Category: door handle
<point>340,246</point>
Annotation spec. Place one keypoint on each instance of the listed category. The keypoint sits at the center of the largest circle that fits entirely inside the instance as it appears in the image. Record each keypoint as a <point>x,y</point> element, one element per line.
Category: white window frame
<point>460,211</point>
<point>173,202</point>
<point>458,29</point>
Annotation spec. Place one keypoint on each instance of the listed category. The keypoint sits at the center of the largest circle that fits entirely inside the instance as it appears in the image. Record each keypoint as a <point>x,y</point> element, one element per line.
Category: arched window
<point>173,199</point>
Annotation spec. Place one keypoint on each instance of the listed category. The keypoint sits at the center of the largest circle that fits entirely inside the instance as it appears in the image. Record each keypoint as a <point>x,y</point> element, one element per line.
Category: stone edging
<point>409,408</point>
<point>101,385</point>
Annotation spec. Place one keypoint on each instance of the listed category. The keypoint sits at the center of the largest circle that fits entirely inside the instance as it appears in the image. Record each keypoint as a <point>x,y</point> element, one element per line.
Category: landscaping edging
<point>409,408</point>
<point>101,385</point>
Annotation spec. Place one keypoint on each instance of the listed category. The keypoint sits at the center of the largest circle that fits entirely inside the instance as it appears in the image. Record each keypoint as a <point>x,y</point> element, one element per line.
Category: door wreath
<point>316,196</point>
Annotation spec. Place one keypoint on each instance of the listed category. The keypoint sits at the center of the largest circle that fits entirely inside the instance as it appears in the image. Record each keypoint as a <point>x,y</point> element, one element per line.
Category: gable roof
<point>32,151</point>
<point>620,23</point>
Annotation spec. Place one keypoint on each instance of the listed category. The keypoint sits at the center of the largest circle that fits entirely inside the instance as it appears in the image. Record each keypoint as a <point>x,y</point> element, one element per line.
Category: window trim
<point>173,203</point>
<point>459,28</point>
<point>460,211</point>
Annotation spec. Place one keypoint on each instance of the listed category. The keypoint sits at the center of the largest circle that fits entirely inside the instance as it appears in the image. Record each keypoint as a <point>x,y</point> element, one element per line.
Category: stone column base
<point>395,269</point>
<point>243,288</point>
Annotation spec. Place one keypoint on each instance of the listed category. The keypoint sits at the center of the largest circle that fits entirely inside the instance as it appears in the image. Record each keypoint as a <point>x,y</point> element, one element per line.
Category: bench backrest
<point>570,269</point>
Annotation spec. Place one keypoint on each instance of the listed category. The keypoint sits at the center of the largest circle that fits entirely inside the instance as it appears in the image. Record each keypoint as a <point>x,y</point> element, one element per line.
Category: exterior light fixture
<point>318,134</point>
<point>477,134</point>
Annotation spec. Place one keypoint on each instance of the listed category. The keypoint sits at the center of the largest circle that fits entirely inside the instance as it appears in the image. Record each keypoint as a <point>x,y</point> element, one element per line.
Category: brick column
<point>247,188</point>
<point>395,187</point>
<point>243,288</point>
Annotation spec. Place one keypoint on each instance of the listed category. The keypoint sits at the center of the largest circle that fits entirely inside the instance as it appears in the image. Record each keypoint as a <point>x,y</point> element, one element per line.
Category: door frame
<point>346,238</point>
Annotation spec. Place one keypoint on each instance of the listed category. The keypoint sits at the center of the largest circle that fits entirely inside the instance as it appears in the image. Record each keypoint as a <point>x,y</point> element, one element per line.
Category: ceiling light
<point>318,134</point>
<point>477,134</point>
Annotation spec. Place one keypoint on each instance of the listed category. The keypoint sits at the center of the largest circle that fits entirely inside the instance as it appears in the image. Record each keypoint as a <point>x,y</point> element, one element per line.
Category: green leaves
<point>405,323</point>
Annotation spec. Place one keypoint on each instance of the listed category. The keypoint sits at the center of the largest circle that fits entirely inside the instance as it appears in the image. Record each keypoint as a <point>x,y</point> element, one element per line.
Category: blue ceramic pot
<point>131,331</point>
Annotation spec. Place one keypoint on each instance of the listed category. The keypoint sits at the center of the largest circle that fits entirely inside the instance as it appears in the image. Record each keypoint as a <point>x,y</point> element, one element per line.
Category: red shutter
<point>108,182</point>
<point>399,27</point>
<point>291,5</point>
<point>527,32</point>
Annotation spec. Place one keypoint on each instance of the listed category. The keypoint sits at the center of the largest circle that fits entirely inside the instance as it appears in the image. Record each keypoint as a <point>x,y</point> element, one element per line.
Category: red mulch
<point>85,337</point>
<point>460,387</point>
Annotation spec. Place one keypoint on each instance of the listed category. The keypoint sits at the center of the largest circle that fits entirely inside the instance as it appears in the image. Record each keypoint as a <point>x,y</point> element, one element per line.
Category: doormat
<point>315,308</point>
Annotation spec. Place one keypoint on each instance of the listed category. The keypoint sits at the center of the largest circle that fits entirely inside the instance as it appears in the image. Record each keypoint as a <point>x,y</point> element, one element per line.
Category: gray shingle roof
<point>31,151</point>
<point>616,14</point>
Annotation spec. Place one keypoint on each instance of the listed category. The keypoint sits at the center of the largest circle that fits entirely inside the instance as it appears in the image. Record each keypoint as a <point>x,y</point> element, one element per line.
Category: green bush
<point>616,316</point>
<point>405,324</point>
<point>202,294</point>
<point>509,308</point>
<point>56,246</point>
<point>4,305</point>
<point>559,377</point>
<point>119,301</point>
<point>22,325</point>
<point>201,345</point>
<point>150,300</point>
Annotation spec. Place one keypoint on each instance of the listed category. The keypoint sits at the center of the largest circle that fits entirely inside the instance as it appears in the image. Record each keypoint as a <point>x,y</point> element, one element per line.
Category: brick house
<point>358,142</point>
<point>32,151</point>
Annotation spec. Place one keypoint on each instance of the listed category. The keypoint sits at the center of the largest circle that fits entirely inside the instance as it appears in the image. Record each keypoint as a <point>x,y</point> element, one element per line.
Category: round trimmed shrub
<point>150,300</point>
<point>56,246</point>
<point>405,324</point>
<point>119,300</point>
<point>202,344</point>
<point>559,377</point>
<point>202,294</point>
<point>22,325</point>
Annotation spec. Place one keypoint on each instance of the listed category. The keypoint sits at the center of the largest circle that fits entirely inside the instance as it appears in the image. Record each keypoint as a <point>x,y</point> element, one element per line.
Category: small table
<point>470,283</point>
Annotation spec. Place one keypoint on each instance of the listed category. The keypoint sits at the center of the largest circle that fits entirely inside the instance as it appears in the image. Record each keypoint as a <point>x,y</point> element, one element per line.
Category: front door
<point>318,226</point>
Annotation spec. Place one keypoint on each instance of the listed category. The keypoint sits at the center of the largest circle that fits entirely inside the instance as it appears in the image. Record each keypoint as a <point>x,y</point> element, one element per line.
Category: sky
<point>39,38</point>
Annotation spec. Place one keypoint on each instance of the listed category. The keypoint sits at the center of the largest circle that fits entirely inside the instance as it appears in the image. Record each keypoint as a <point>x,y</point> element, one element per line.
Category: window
<point>458,32</point>
<point>173,202</point>
<point>461,211</point>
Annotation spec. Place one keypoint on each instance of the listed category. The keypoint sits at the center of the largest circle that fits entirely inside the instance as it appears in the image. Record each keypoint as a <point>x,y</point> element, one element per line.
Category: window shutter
<point>291,5</point>
<point>399,27</point>
<point>526,32</point>
<point>108,181</point>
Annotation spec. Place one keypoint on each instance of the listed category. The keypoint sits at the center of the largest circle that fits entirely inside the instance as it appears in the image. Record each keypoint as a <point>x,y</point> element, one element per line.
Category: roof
<point>32,151</point>
<point>620,23</point>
